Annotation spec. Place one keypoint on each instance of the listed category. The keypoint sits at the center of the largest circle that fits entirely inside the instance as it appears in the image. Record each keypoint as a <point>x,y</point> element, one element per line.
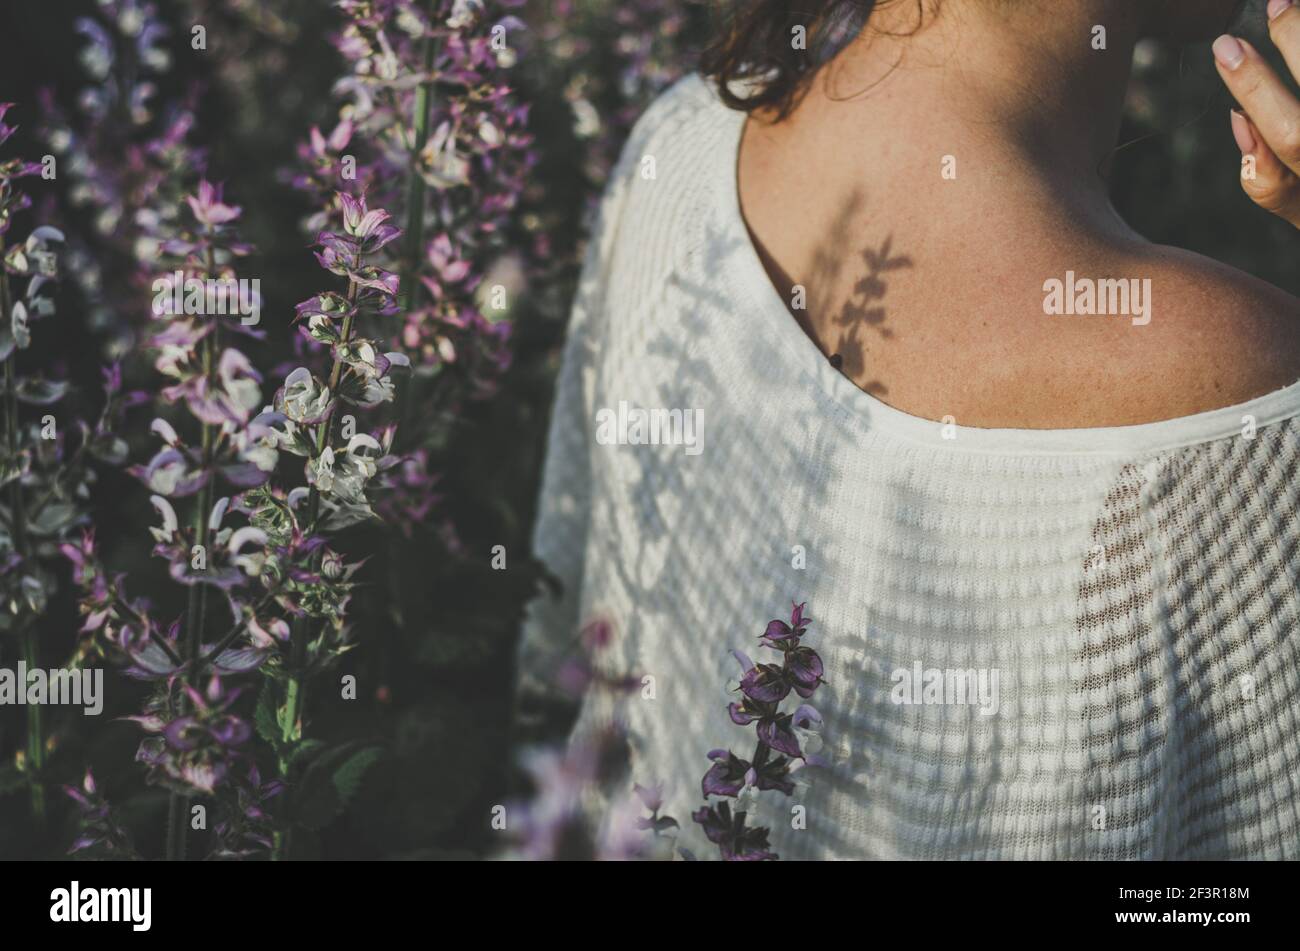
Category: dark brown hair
<point>754,45</point>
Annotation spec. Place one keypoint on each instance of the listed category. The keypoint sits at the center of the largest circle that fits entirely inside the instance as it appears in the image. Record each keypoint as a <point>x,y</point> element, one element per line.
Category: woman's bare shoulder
<point>1217,336</point>
<point>1125,335</point>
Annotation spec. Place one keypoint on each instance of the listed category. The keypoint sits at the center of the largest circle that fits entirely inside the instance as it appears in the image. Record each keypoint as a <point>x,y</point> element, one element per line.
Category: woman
<point>1034,476</point>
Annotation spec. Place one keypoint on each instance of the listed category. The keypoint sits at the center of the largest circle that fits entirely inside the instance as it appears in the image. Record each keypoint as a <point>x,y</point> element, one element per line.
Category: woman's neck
<point>1038,98</point>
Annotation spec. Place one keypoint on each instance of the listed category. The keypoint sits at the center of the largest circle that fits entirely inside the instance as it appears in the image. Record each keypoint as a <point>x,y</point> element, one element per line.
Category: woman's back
<point>930,191</point>
<point>1039,643</point>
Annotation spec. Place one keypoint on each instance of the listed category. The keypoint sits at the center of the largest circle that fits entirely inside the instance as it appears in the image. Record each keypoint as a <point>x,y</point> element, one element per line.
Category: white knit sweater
<point>1132,589</point>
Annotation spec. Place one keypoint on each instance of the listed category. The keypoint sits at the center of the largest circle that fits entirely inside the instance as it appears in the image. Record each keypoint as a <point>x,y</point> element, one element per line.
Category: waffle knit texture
<point>1133,588</point>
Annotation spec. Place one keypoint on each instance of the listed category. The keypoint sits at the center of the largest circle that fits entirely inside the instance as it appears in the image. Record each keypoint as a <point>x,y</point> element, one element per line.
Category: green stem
<point>415,181</point>
<point>11,422</point>
<point>415,188</point>
<point>35,732</point>
<point>196,609</point>
<point>296,690</point>
<point>31,653</point>
<point>178,806</point>
<point>409,286</point>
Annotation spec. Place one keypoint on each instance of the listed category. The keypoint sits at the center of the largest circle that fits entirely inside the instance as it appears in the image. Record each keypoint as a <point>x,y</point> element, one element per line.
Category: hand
<point>1267,128</point>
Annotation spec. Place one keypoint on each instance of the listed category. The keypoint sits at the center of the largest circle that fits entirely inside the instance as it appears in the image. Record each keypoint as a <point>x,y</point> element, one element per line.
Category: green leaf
<point>316,802</point>
<point>330,783</point>
<point>287,730</point>
<point>348,777</point>
<point>264,716</point>
<point>302,754</point>
<point>53,518</point>
<point>11,779</point>
<point>109,449</point>
<point>41,392</point>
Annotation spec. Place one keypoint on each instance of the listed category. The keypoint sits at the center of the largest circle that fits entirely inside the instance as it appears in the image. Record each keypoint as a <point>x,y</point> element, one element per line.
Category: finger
<point>1273,110</point>
<point>1264,178</point>
<point>1284,27</point>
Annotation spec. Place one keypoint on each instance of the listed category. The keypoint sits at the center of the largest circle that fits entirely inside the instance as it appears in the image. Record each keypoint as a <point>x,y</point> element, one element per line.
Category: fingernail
<point>1278,7</point>
<point>1241,132</point>
<point>1229,51</point>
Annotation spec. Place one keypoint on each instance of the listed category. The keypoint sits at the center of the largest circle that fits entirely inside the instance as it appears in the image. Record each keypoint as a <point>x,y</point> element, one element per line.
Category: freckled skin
<point>929,289</point>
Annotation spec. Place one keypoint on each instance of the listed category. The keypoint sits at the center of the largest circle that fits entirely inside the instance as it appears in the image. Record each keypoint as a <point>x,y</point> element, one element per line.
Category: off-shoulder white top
<point>1134,589</point>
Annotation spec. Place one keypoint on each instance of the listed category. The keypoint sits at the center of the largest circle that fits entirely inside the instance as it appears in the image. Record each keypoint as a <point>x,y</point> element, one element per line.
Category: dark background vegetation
<point>435,661</point>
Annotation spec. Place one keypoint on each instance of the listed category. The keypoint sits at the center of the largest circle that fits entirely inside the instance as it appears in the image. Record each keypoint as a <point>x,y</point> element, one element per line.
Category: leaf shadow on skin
<point>844,337</point>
